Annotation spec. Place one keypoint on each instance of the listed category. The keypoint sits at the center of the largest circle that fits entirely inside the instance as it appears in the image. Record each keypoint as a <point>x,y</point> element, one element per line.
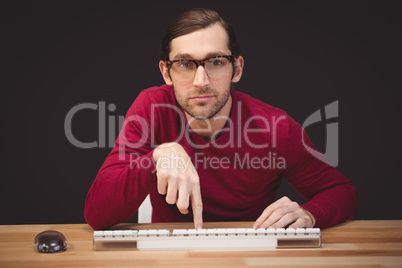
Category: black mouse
<point>50,242</point>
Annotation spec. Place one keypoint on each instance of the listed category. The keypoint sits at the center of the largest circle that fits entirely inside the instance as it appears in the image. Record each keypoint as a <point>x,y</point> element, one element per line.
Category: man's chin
<point>201,115</point>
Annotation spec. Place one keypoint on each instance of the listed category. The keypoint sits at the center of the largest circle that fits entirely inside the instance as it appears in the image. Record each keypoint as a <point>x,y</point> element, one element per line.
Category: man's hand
<point>284,212</point>
<point>178,179</point>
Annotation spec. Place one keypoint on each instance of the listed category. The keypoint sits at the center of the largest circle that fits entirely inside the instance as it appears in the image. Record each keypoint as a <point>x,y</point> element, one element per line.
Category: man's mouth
<point>202,98</point>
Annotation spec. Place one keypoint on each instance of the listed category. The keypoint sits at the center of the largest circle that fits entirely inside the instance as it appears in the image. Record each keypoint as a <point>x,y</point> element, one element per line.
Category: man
<point>205,152</point>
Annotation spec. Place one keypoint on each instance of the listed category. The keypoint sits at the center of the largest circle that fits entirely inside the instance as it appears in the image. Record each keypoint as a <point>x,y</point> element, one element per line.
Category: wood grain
<point>357,243</point>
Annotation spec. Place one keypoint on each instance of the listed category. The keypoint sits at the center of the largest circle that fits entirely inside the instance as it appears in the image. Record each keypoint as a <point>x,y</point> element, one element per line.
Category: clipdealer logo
<point>331,155</point>
<point>109,125</point>
<point>105,125</point>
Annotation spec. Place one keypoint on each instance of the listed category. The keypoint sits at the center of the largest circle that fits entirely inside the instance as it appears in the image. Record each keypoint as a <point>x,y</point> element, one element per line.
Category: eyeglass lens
<point>184,70</point>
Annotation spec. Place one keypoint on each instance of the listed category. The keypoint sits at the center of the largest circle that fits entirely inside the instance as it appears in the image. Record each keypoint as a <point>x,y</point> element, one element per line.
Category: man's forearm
<point>118,191</point>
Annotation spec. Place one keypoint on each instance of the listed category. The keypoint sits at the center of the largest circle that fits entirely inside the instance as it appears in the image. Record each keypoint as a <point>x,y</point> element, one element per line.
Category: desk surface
<point>360,243</point>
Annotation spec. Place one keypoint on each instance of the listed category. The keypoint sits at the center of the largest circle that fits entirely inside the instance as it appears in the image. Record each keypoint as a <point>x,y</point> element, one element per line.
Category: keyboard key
<point>313,230</point>
<point>202,232</point>
<point>221,231</point>
<point>280,231</point>
<point>290,231</point>
<point>127,233</point>
<point>98,233</point>
<point>211,232</point>
<point>251,231</point>
<point>270,231</point>
<point>143,233</point>
<point>108,233</point>
<point>192,232</point>
<point>163,232</point>
<point>241,231</point>
<point>180,232</point>
<point>231,231</point>
<point>152,232</point>
<point>118,233</point>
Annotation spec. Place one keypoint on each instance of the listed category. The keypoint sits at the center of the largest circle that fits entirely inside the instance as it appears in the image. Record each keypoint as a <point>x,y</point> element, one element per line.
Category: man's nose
<point>201,78</point>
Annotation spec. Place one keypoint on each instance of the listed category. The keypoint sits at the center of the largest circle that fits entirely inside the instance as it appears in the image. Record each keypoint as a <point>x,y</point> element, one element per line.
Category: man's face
<point>203,96</point>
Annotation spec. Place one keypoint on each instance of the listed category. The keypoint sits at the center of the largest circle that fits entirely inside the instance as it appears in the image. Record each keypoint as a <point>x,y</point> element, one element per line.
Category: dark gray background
<point>299,56</point>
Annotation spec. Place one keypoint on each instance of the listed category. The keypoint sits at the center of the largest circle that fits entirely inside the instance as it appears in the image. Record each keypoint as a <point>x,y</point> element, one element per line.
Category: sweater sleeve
<point>128,173</point>
<point>331,197</point>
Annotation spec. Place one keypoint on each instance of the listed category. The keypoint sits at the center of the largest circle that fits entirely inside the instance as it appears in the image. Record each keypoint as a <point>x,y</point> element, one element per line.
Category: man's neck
<point>210,129</point>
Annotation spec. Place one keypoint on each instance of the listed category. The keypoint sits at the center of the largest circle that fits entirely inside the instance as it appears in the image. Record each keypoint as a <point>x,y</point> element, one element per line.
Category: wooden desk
<point>360,243</point>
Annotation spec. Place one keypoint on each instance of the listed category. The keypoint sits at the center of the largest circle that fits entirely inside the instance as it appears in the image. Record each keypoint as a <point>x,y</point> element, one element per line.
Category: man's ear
<point>238,65</point>
<point>165,73</point>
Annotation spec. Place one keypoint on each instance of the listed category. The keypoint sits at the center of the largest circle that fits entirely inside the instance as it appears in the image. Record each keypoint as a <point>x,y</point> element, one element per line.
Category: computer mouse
<point>50,242</point>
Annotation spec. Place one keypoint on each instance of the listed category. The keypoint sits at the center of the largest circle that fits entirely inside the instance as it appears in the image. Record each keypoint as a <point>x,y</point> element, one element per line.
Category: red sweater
<point>240,172</point>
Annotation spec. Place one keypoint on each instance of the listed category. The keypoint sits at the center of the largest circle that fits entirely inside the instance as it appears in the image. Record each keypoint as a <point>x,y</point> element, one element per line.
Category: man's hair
<point>193,20</point>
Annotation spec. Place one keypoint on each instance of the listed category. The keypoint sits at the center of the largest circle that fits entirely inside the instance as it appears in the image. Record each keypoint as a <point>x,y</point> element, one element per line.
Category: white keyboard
<point>206,239</point>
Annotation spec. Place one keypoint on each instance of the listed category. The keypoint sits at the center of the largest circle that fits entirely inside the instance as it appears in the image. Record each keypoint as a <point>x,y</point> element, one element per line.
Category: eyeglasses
<point>215,67</point>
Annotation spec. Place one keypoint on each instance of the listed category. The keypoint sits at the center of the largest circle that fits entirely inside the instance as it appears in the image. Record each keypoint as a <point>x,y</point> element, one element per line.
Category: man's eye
<point>217,62</point>
<point>183,64</point>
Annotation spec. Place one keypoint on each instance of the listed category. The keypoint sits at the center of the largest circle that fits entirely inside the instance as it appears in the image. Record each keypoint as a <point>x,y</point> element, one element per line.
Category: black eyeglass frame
<point>199,63</point>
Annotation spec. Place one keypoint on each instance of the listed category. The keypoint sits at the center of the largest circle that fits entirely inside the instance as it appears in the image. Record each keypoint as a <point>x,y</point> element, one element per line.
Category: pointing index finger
<point>196,204</point>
